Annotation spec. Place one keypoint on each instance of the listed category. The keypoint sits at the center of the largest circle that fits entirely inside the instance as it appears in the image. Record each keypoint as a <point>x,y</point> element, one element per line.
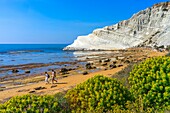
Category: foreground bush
<point>31,104</point>
<point>151,81</point>
<point>98,93</point>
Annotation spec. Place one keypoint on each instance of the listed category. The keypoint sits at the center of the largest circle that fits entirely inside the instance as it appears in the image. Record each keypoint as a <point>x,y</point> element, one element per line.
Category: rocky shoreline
<point>84,65</point>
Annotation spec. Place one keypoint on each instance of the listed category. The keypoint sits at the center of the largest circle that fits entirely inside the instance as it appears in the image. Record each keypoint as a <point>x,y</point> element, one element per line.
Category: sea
<point>21,54</point>
<point>15,55</point>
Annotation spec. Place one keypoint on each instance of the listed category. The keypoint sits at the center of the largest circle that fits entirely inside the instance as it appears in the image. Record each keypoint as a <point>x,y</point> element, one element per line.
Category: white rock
<point>148,27</point>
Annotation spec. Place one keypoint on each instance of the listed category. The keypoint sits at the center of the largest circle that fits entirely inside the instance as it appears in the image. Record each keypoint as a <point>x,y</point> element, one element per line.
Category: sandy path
<point>62,85</point>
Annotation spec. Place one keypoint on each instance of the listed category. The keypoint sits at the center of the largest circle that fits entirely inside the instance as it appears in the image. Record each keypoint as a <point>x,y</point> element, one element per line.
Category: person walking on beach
<point>53,77</point>
<point>47,76</point>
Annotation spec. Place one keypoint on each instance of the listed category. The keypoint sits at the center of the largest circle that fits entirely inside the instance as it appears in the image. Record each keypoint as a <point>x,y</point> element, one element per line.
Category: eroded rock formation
<point>149,27</point>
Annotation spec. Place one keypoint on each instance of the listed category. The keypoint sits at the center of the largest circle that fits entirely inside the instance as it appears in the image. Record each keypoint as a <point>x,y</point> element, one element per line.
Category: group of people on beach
<point>53,77</point>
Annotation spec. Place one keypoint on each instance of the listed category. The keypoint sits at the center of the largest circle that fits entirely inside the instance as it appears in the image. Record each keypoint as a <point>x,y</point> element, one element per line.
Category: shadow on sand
<point>61,83</point>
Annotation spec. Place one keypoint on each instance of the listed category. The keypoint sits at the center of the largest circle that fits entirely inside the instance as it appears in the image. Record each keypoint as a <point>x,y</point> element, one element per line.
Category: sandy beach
<point>35,84</point>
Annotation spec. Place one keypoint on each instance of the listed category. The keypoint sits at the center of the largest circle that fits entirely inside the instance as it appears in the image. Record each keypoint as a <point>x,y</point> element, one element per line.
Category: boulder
<point>88,66</point>
<point>63,73</point>
<point>27,71</point>
<point>63,70</point>
<point>32,91</point>
<point>105,69</point>
<point>39,88</point>
<point>53,86</point>
<point>15,70</point>
<point>130,56</point>
<point>85,73</point>
<point>87,58</point>
<point>112,66</point>
<point>104,64</point>
<point>106,60</point>
<point>127,61</point>
<point>94,67</point>
<point>119,65</point>
<point>114,62</point>
<point>100,61</point>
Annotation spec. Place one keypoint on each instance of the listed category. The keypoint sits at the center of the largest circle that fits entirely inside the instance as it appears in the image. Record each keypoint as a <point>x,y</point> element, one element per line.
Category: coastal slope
<point>149,27</point>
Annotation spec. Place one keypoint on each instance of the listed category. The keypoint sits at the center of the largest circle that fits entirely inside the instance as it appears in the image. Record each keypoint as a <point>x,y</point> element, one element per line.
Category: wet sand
<point>35,83</point>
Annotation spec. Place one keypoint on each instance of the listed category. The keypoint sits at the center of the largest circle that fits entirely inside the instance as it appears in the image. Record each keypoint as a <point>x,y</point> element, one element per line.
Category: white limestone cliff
<point>149,27</point>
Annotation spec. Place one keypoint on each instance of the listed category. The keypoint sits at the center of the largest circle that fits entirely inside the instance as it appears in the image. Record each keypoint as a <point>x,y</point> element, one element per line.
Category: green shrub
<point>31,104</point>
<point>151,81</point>
<point>98,93</point>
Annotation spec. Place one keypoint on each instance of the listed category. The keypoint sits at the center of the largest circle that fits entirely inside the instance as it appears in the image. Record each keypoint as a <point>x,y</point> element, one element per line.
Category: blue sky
<point>61,21</point>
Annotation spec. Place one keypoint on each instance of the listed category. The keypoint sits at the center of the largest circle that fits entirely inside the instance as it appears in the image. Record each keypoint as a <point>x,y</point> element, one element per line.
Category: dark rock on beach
<point>1,89</point>
<point>119,65</point>
<point>70,69</point>
<point>27,71</point>
<point>87,58</point>
<point>39,88</point>
<point>127,61</point>
<point>105,69</point>
<point>94,67</point>
<point>53,86</point>
<point>63,70</point>
<point>114,62</point>
<point>88,66</point>
<point>85,73</point>
<point>104,64</point>
<point>106,60</point>
<point>32,91</point>
<point>112,66</point>
<point>15,71</point>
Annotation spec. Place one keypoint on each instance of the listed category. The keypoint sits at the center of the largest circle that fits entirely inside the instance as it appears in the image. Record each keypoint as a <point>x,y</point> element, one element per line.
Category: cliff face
<point>149,27</point>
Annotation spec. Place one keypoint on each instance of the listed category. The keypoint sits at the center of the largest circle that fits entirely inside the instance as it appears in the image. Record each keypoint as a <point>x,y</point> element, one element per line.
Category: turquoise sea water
<point>16,54</point>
